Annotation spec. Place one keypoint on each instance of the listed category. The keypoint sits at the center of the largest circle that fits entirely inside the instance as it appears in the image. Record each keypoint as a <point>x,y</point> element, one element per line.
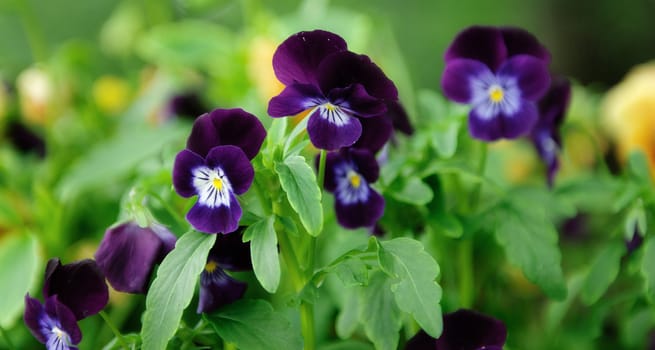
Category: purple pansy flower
<point>185,105</point>
<point>338,86</point>
<point>80,286</point>
<point>217,288</point>
<point>463,330</point>
<point>52,324</point>
<point>349,174</point>
<point>128,253</point>
<point>501,73</point>
<point>545,134</point>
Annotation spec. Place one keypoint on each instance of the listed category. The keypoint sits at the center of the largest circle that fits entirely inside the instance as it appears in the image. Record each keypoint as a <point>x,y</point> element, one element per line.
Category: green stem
<point>321,168</point>
<point>307,325</point>
<point>475,194</point>
<point>113,328</point>
<point>5,335</point>
<point>465,264</point>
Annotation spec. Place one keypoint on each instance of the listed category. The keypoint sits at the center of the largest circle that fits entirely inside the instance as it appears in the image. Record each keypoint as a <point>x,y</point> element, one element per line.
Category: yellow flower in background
<point>260,69</point>
<point>111,94</point>
<point>629,113</point>
<point>35,90</point>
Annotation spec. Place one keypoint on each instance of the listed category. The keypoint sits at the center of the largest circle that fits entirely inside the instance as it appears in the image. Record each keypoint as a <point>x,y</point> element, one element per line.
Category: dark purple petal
<point>296,60</point>
<point>235,164</point>
<point>375,134</point>
<point>34,312</point>
<point>520,42</point>
<point>361,213</point>
<point>227,127</point>
<point>421,341</point>
<point>80,286</point>
<point>399,118</point>
<point>24,139</point>
<point>231,253</point>
<point>510,126</point>
<point>470,330</point>
<point>220,219</point>
<point>186,105</point>
<point>328,135</point>
<point>294,99</point>
<point>635,242</point>
<point>553,106</point>
<point>345,68</point>
<point>65,316</point>
<point>332,160</point>
<point>484,44</point>
<point>490,347</point>
<point>531,73</point>
<point>41,320</point>
<point>185,162</point>
<point>365,164</point>
<point>355,98</point>
<point>458,77</point>
<point>128,253</point>
<point>218,289</point>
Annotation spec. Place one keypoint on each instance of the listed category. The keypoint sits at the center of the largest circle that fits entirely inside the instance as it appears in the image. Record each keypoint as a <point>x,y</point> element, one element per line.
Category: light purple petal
<point>459,77</point>
<point>294,99</point>
<point>185,162</point>
<point>484,44</point>
<point>360,214</point>
<point>296,60</point>
<point>520,42</point>
<point>235,164</point>
<point>34,312</point>
<point>531,75</point>
<point>220,219</point>
<point>488,124</point>
<point>330,134</point>
<point>218,289</point>
<point>356,99</point>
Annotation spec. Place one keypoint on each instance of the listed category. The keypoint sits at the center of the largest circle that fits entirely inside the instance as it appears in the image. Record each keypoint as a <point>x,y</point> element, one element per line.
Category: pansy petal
<point>167,239</point>
<point>521,42</point>
<point>366,164</point>
<point>218,289</point>
<point>547,149</point>
<point>185,162</point>
<point>399,118</point>
<point>483,125</point>
<point>66,318</point>
<point>459,78</point>
<point>235,164</point>
<point>375,134</point>
<point>34,312</point>
<point>227,127</point>
<point>294,99</point>
<point>360,214</point>
<point>531,75</point>
<point>296,60</point>
<point>331,161</point>
<point>465,329</point>
<point>345,68</point>
<point>520,122</point>
<point>80,286</point>
<point>128,253</point>
<point>484,44</point>
<point>356,99</point>
<point>330,132</point>
<point>553,106</point>
<point>421,341</point>
<point>221,219</point>
<point>231,253</point>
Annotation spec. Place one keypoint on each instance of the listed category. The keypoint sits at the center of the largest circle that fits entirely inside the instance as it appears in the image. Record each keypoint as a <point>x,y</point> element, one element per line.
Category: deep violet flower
<point>185,105</point>
<point>349,174</point>
<point>80,286</point>
<point>546,133</point>
<point>337,86</point>
<point>128,254</point>
<point>463,330</point>
<point>501,73</point>
<point>25,140</point>
<point>217,288</point>
<point>52,324</point>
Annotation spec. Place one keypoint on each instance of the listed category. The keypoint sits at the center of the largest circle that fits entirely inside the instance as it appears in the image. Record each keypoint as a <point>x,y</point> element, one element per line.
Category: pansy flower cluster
<point>72,292</point>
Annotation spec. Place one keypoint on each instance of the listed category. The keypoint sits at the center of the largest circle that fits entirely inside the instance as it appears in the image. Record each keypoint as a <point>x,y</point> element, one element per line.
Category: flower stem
<point>321,168</point>
<point>113,328</point>
<point>475,194</point>
<point>7,339</point>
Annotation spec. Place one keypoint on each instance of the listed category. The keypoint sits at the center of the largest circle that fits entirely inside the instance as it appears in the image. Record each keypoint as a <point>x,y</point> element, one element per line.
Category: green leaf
<point>379,313</point>
<point>347,345</point>
<point>19,268</point>
<point>352,271</point>
<point>413,191</point>
<point>299,183</point>
<point>602,273</point>
<point>530,242</point>
<point>648,268</point>
<point>254,325</point>
<point>348,317</point>
<point>264,253</point>
<point>414,286</point>
<point>172,290</point>
<point>638,165</point>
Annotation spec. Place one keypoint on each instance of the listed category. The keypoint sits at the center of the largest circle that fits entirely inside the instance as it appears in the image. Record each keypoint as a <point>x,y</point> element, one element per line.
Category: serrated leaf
<point>299,183</point>
<point>602,273</point>
<point>648,269</point>
<point>413,191</point>
<point>254,325</point>
<point>172,290</point>
<point>415,289</point>
<point>264,253</point>
<point>379,313</point>
<point>19,264</point>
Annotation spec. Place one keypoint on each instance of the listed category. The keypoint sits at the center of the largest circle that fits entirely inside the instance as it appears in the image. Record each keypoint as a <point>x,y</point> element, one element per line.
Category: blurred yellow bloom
<point>35,90</point>
<point>260,68</point>
<point>629,113</point>
<point>111,94</point>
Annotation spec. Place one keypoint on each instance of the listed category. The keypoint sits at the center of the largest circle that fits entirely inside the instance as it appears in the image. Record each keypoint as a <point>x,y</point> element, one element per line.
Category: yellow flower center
<point>211,266</point>
<point>218,183</point>
<point>355,179</point>
<point>330,107</point>
<point>496,94</point>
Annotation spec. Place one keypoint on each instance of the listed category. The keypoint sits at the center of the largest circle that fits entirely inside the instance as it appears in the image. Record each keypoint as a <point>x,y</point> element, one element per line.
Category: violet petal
<point>531,75</point>
<point>361,213</point>
<point>294,99</point>
<point>185,162</point>
<point>330,133</point>
<point>484,44</point>
<point>356,99</point>
<point>218,289</point>
<point>231,253</point>
<point>460,75</point>
<point>470,330</point>
<point>375,134</point>
<point>220,219</point>
<point>521,42</point>
<point>235,164</point>
<point>365,163</point>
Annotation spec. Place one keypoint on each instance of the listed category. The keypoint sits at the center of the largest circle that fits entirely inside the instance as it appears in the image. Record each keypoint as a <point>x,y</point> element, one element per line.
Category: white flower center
<point>58,339</point>
<point>334,114</point>
<point>351,186</point>
<point>493,95</point>
<point>212,186</point>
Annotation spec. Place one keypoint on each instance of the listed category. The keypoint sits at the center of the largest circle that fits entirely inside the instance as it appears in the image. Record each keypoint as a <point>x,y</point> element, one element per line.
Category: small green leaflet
<point>414,286</point>
<point>254,325</point>
<point>172,290</point>
<point>299,183</point>
<point>648,268</point>
<point>603,272</point>
<point>379,313</point>
<point>413,191</point>
<point>264,253</point>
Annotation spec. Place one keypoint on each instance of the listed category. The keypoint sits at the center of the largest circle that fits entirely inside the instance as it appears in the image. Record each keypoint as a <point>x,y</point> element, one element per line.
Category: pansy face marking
<point>334,114</point>
<point>351,186</point>
<point>213,187</point>
<point>57,339</point>
<point>494,95</point>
